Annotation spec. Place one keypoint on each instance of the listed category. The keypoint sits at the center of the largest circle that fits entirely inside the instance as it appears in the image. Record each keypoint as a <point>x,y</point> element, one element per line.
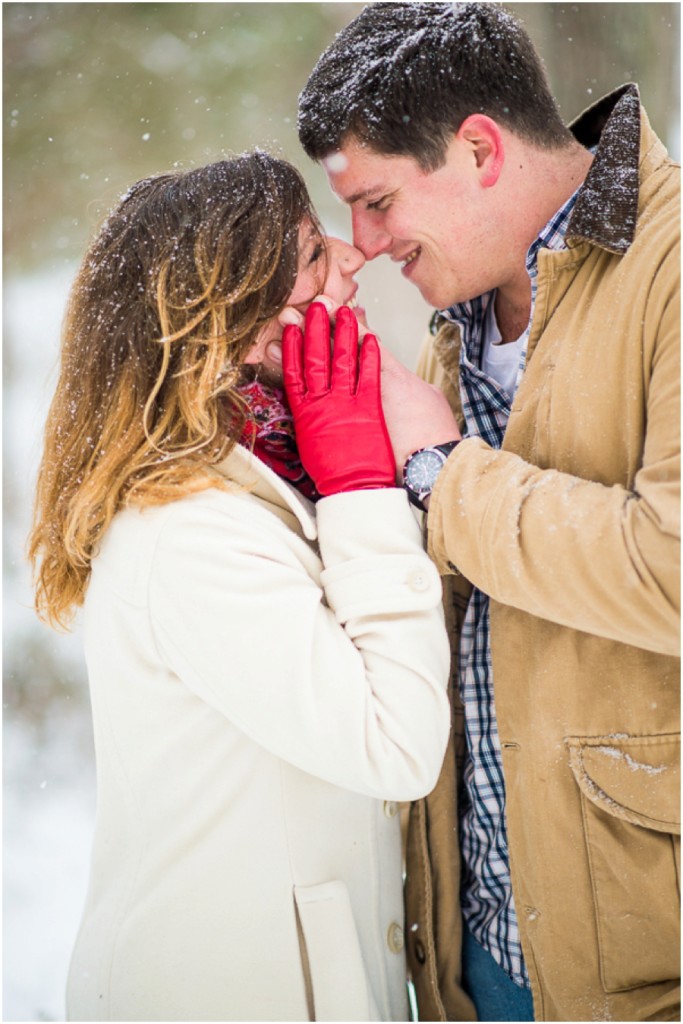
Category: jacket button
<point>420,954</point>
<point>419,581</point>
<point>390,808</point>
<point>395,940</point>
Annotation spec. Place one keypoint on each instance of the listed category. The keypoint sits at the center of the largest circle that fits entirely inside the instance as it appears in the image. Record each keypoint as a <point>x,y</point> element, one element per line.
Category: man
<point>542,879</point>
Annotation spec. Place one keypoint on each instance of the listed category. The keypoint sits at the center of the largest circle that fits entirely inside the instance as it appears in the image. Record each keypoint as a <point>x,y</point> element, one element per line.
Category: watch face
<point>422,471</point>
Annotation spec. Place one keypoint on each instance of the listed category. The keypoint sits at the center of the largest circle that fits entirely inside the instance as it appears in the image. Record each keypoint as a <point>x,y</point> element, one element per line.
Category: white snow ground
<point>48,817</point>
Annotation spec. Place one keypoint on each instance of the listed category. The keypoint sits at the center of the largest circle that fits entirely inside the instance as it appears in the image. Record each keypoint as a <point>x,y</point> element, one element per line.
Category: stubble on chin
<point>432,290</point>
<point>432,295</point>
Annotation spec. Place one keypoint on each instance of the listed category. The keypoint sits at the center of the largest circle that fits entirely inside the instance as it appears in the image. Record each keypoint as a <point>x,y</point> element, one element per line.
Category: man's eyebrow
<point>375,191</point>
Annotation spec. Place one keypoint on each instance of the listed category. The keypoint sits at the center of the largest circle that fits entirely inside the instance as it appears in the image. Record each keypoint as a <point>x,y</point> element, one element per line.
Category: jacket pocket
<point>332,959</point>
<point>630,797</point>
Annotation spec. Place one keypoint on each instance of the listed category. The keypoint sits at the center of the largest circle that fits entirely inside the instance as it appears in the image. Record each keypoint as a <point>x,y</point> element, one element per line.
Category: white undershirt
<point>499,360</point>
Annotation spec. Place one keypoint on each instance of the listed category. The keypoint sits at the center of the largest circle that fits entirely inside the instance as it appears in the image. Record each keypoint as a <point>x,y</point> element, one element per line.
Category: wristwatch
<point>421,470</point>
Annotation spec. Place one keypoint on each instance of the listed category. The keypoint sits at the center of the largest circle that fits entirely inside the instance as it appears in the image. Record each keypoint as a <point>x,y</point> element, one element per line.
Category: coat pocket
<point>630,796</point>
<point>331,954</point>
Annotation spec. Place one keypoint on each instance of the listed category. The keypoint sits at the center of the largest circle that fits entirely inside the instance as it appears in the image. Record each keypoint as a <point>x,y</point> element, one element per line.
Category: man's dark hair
<point>402,77</point>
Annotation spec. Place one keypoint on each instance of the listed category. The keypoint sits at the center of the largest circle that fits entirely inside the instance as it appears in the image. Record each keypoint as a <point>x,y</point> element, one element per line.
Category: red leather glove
<point>342,437</point>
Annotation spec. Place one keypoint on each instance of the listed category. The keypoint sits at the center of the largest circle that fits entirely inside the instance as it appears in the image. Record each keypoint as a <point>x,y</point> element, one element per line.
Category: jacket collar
<point>249,473</point>
<point>606,208</point>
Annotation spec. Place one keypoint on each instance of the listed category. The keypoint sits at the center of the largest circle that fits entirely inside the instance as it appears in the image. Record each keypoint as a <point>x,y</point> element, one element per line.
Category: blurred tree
<point>591,48</point>
<point>98,95</point>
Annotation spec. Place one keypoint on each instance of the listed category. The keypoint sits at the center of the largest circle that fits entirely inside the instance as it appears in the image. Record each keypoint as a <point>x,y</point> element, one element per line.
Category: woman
<point>267,674</point>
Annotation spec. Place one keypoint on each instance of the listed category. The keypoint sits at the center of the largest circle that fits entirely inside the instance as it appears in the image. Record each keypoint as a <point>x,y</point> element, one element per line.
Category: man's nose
<point>368,236</point>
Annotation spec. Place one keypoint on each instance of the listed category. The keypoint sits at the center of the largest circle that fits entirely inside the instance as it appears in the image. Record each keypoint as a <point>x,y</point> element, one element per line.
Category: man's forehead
<point>356,173</point>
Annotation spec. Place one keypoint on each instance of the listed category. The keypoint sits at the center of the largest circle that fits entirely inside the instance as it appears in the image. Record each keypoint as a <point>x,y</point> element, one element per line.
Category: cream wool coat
<point>266,683</point>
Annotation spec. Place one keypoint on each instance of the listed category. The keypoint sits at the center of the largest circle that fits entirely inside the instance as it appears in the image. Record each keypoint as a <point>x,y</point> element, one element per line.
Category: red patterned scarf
<point>271,430</point>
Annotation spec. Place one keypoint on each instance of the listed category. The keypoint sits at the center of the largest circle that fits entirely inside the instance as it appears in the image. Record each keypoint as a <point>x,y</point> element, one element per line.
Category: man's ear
<point>483,137</point>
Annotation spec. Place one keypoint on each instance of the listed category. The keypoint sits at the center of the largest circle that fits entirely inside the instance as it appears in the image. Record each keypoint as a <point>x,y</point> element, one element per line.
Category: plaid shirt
<point>487,900</point>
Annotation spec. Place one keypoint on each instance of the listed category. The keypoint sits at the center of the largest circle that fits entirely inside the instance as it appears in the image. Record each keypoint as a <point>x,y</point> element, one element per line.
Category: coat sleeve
<point>601,559</point>
<point>344,677</point>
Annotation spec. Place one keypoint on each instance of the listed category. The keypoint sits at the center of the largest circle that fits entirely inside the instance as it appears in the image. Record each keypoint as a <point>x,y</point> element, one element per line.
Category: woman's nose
<point>349,259</point>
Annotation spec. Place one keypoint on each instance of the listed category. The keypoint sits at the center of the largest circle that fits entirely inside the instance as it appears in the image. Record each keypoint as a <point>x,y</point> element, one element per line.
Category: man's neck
<point>512,316</point>
<point>554,177</point>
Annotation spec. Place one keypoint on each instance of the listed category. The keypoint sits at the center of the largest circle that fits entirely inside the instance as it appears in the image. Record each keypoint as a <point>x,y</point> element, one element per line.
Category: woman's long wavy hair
<point>169,299</point>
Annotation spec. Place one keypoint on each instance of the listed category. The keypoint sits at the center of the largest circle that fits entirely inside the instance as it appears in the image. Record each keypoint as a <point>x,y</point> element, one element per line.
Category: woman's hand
<point>417,415</point>
<point>335,400</point>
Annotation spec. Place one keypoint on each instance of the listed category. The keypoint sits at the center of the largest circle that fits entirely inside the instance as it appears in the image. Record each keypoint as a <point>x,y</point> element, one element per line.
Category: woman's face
<point>326,265</point>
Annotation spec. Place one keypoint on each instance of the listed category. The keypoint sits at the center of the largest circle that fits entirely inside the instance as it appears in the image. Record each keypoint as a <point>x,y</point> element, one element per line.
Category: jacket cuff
<point>438,510</point>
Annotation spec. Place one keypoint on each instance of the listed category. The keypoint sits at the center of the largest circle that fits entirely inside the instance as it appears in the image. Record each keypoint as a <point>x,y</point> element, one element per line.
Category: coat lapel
<point>249,473</point>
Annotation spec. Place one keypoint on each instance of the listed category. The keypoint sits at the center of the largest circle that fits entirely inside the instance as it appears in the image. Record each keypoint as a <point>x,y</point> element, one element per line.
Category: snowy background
<point>97,96</point>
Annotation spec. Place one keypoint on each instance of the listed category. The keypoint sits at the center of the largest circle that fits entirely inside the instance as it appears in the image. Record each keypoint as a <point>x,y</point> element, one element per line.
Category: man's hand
<point>417,414</point>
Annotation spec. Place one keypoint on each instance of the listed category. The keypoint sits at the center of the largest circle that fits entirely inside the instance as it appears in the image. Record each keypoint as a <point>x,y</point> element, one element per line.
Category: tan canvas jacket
<point>573,530</point>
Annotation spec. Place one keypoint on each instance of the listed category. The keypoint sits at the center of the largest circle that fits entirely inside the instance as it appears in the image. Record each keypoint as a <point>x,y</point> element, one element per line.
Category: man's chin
<point>431,294</point>
<point>437,297</point>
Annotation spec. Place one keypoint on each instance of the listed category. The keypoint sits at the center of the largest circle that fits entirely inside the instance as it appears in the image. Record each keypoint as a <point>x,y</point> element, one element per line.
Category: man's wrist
<point>422,469</point>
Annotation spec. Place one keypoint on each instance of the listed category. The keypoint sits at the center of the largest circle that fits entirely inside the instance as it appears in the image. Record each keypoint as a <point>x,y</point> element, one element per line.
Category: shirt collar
<point>553,234</point>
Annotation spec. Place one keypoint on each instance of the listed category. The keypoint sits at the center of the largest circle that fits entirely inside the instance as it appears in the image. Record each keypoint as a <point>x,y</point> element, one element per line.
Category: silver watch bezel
<point>442,453</point>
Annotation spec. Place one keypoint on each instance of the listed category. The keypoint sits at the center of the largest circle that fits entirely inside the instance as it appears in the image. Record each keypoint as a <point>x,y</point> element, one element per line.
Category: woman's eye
<point>316,254</point>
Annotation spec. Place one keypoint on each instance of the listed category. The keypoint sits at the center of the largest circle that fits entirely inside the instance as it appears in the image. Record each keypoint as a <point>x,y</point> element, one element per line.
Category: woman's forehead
<point>308,230</point>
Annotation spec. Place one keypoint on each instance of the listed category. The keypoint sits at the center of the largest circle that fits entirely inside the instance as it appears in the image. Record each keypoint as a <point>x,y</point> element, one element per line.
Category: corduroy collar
<point>606,208</point>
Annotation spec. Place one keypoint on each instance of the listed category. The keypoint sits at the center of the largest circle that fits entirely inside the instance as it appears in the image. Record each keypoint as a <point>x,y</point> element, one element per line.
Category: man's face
<point>436,225</point>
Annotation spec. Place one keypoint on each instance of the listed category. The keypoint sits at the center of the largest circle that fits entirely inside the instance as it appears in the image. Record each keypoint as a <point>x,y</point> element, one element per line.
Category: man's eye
<point>378,204</point>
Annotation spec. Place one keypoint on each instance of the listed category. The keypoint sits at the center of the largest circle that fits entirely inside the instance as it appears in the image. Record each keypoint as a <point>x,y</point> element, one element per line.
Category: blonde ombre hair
<point>169,299</point>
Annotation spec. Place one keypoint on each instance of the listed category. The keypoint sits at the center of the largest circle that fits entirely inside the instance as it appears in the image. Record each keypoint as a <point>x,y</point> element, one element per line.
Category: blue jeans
<point>494,994</point>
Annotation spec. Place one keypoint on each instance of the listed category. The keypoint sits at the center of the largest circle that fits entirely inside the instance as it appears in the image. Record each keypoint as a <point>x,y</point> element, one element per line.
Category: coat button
<point>390,808</point>
<point>395,940</point>
<point>419,581</point>
<point>420,954</point>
